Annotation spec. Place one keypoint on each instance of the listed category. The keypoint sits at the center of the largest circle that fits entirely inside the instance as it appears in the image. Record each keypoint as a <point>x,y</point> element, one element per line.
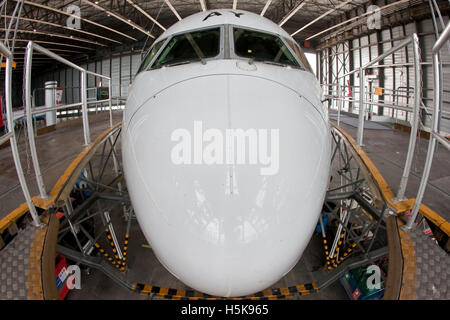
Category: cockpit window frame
<point>233,54</point>
<point>226,42</point>
<point>303,56</point>
<point>217,57</point>
<point>154,57</point>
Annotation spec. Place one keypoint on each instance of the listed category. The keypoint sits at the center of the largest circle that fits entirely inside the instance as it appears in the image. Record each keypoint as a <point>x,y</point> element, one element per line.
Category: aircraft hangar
<point>215,150</point>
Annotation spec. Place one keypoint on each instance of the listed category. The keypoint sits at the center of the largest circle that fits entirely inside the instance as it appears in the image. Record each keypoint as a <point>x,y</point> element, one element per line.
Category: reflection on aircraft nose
<point>219,223</point>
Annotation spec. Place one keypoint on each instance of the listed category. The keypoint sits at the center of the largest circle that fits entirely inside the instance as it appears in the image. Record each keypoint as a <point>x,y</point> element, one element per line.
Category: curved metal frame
<point>434,134</point>
<point>31,47</point>
<point>414,40</point>
<point>11,135</point>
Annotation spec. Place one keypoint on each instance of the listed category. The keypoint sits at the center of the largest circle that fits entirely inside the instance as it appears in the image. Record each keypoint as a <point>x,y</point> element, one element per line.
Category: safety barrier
<point>68,98</point>
<point>434,134</point>
<point>414,40</point>
<point>398,200</point>
<point>11,135</point>
<point>393,99</point>
<point>388,194</point>
<point>30,111</point>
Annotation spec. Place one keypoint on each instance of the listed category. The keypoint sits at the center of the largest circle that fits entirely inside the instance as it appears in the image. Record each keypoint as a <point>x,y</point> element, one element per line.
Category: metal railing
<point>394,108</point>
<point>11,135</point>
<point>391,102</point>
<point>30,110</point>
<point>71,95</point>
<point>415,110</point>
<point>417,106</point>
<point>434,134</point>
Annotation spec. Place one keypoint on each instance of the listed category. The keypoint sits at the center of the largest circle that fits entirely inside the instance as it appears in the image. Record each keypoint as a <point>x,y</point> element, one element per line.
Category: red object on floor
<point>59,214</point>
<point>356,294</point>
<point>61,276</point>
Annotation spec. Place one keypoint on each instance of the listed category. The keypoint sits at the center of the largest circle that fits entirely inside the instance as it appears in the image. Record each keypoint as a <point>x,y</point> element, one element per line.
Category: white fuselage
<point>216,219</point>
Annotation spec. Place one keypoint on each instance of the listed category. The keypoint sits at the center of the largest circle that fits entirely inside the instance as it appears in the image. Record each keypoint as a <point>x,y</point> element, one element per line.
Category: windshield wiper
<point>275,63</point>
<point>177,63</point>
<point>184,62</point>
<point>196,48</point>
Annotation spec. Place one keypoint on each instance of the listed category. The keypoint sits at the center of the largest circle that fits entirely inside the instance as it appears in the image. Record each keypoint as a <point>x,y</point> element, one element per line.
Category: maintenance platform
<point>415,259</point>
<point>68,229</point>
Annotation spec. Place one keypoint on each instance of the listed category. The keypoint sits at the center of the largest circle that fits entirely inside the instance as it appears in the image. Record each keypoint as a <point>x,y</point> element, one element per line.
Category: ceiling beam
<point>357,17</point>
<point>38,5</point>
<point>52,34</point>
<point>292,12</point>
<point>52,49</point>
<point>35,58</point>
<point>331,5</point>
<point>119,17</point>
<point>63,27</point>
<point>263,12</point>
<point>145,13</point>
<point>203,5</point>
<point>175,12</point>
<point>56,43</point>
<point>321,16</point>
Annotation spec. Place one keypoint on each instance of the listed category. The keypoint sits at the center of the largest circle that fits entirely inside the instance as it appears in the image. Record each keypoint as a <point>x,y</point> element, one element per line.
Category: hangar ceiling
<point>108,24</point>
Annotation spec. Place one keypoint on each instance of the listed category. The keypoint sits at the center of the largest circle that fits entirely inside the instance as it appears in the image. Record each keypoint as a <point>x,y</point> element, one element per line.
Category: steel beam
<point>292,12</point>
<point>119,17</point>
<point>42,6</point>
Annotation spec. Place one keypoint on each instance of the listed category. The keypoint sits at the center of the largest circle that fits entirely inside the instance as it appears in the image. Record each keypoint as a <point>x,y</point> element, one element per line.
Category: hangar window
<point>190,47</point>
<point>149,57</point>
<point>261,46</point>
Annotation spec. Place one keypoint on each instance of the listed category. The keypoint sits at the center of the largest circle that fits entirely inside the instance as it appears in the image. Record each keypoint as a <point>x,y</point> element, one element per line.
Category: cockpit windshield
<point>206,44</point>
<point>148,58</point>
<point>190,46</point>
<point>261,46</point>
<point>300,55</point>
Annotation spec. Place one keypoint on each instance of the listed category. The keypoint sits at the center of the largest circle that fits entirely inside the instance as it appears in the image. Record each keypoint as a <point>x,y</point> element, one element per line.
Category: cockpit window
<point>188,47</point>
<point>261,46</point>
<point>148,58</point>
<point>299,53</point>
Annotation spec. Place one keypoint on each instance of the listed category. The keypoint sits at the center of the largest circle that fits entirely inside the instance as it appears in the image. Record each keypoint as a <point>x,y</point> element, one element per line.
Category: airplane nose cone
<point>227,229</point>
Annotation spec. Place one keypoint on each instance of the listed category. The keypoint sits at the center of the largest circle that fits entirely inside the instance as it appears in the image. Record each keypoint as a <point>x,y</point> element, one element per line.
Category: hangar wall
<point>121,68</point>
<point>397,80</point>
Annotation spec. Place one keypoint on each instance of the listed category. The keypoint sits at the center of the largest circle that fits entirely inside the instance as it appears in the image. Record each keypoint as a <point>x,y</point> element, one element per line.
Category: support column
<point>50,101</point>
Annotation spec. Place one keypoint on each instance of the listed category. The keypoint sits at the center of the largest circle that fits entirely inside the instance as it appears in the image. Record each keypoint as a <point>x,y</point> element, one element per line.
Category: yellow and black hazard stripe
<point>106,255</point>
<point>268,294</point>
<point>337,256</point>
<point>117,263</point>
<point>347,253</point>
<point>325,247</point>
<point>123,263</point>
